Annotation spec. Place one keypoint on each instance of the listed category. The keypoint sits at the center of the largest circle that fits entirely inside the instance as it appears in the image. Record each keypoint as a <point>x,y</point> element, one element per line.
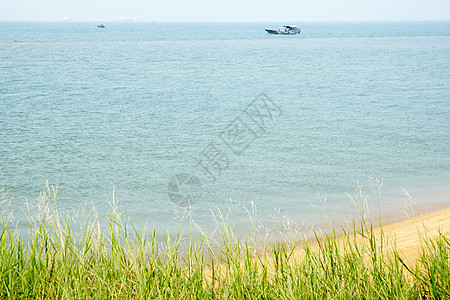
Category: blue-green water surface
<point>127,107</point>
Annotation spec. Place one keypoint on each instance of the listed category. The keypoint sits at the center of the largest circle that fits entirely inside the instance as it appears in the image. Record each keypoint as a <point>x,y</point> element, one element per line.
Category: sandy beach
<point>409,235</point>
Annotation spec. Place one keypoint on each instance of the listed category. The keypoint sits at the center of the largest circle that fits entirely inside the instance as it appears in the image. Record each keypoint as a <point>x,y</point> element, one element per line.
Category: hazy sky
<point>225,10</point>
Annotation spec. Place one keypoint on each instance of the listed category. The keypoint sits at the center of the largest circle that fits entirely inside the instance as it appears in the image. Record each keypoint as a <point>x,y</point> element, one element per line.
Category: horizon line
<point>211,21</point>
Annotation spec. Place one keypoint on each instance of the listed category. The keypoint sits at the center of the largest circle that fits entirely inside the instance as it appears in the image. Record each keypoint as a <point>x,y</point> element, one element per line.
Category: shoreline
<point>409,234</point>
<point>411,209</point>
<point>415,204</point>
<point>409,213</point>
<point>408,237</point>
<point>406,233</point>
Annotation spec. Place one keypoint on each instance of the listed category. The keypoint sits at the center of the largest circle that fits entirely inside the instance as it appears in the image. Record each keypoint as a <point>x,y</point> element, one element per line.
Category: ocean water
<point>161,114</point>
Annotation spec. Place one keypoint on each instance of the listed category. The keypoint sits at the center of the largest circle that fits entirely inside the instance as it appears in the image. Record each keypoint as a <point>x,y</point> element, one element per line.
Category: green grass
<point>121,263</point>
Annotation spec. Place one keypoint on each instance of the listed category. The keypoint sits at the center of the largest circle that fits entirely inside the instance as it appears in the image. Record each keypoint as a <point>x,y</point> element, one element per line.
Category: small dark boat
<point>101,26</point>
<point>288,29</point>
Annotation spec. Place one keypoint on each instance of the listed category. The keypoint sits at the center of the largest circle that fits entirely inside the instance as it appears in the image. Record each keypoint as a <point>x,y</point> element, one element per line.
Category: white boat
<point>288,29</point>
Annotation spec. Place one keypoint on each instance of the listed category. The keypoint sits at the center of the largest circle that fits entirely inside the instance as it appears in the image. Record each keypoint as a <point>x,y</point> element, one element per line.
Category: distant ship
<point>101,26</point>
<point>288,29</point>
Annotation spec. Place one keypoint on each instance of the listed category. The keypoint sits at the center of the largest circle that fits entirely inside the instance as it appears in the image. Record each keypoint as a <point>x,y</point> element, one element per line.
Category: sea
<point>181,126</point>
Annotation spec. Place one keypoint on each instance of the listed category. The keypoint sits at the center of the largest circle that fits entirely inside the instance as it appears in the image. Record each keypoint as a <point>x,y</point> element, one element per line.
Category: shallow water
<point>126,108</point>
